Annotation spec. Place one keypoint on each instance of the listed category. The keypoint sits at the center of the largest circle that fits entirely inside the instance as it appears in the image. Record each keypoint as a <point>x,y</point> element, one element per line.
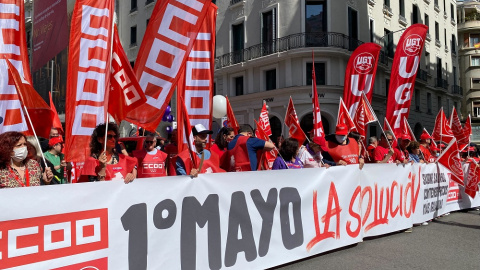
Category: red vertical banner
<point>343,117</point>
<point>162,56</point>
<point>195,85</point>
<point>450,159</point>
<point>360,75</point>
<point>264,121</point>
<point>317,116</point>
<point>88,78</point>
<point>458,132</point>
<point>404,71</point>
<point>442,131</point>
<point>291,121</point>
<point>363,116</point>
<point>13,47</point>
<point>231,120</point>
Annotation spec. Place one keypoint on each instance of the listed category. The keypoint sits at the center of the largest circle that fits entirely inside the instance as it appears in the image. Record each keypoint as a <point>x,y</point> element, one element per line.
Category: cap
<point>200,129</point>
<point>341,129</point>
<point>321,142</point>
<point>54,141</point>
<point>405,137</point>
<point>425,136</point>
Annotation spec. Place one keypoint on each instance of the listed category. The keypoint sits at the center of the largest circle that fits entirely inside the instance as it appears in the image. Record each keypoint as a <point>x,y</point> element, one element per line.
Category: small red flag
<point>344,117</point>
<point>232,121</point>
<point>442,131</point>
<point>318,130</point>
<point>264,121</point>
<point>268,157</point>
<point>450,159</point>
<point>473,179</point>
<point>56,120</point>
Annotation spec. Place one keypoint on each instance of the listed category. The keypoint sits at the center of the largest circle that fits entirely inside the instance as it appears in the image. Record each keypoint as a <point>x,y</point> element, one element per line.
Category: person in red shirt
<point>172,151</point>
<point>425,140</point>
<point>151,161</point>
<point>400,152</point>
<point>224,136</point>
<point>383,153</point>
<point>342,149</point>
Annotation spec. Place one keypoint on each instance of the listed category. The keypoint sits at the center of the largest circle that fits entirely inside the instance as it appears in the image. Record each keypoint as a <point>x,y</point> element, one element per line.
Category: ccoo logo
<point>363,63</point>
<point>413,45</point>
<point>454,163</point>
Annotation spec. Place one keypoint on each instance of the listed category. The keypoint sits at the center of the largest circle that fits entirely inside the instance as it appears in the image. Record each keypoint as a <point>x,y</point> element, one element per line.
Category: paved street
<point>451,242</point>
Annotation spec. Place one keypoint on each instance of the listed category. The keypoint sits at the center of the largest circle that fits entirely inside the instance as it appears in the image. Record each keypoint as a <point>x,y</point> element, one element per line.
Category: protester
<point>160,143</point>
<point>56,160</point>
<point>383,153</point>
<point>372,144</point>
<point>425,140</point>
<point>16,170</point>
<point>107,165</point>
<point>224,136</point>
<point>312,154</point>
<point>172,151</point>
<point>400,152</point>
<point>151,161</point>
<point>204,160</point>
<point>414,152</point>
<point>288,156</point>
<point>342,149</point>
<point>243,150</point>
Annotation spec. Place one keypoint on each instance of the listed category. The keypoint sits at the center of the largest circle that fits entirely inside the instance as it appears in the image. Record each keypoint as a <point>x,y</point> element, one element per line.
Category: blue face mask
<point>340,138</point>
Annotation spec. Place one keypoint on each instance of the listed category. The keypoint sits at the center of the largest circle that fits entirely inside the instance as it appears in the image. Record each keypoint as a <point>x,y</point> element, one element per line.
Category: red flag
<point>184,134</point>
<point>290,111</point>
<point>458,132</point>
<point>473,179</point>
<point>450,159</point>
<point>195,85</point>
<point>125,93</point>
<point>344,117</point>
<point>231,120</point>
<point>317,116</point>
<point>88,75</point>
<point>468,128</point>
<point>162,56</point>
<point>404,71</point>
<point>360,75</point>
<point>295,131</point>
<point>13,48</point>
<point>364,115</point>
<point>264,121</point>
<point>41,115</point>
<point>408,130</point>
<point>442,131</point>
<point>56,119</point>
<point>268,157</point>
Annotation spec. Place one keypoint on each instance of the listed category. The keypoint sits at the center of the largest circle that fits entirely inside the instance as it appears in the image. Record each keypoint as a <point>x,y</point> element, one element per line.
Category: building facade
<point>264,52</point>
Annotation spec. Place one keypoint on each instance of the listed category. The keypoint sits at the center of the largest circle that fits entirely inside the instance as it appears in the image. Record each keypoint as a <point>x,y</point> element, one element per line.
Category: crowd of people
<point>23,164</point>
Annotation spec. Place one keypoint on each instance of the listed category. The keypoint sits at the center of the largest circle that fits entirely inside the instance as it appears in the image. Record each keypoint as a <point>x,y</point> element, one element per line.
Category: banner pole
<point>108,86</point>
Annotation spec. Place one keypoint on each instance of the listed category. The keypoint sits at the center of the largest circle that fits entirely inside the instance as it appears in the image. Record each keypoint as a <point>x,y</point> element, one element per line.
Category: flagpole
<point>441,131</point>
<point>108,88</point>
<point>383,131</point>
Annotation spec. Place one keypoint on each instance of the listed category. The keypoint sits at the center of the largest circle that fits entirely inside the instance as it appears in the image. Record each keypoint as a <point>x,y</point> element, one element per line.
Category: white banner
<point>245,220</point>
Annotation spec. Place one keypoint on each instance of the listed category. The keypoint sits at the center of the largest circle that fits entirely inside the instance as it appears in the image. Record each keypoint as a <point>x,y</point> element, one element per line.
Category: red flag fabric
<point>450,159</point>
<point>56,119</point>
<point>264,121</point>
<point>231,120</point>
<point>295,131</point>
<point>473,179</point>
<point>290,111</point>
<point>184,134</point>
<point>13,48</point>
<point>364,115</point>
<point>125,93</point>
<point>41,115</point>
<point>317,116</point>
<point>408,130</point>
<point>468,126</point>
<point>344,117</point>
<point>404,71</point>
<point>360,75</point>
<point>162,56</point>
<point>88,76</point>
<point>442,131</point>
<point>268,157</point>
<point>195,85</point>
<point>457,129</point>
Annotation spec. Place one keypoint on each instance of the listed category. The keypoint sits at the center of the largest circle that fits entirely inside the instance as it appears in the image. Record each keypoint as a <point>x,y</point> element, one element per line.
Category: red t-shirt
<point>380,152</point>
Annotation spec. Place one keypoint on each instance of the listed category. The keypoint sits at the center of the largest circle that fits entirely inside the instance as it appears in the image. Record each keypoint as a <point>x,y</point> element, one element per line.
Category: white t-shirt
<point>307,159</point>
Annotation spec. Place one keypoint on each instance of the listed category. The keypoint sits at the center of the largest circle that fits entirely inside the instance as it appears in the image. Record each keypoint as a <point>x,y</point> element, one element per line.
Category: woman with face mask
<point>16,170</point>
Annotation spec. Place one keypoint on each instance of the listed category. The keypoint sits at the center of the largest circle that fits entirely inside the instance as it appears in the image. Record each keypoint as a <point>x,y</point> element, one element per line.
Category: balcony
<point>446,48</point>
<point>427,1</point>
<point>457,90</point>
<point>445,16</point>
<point>428,37</point>
<point>371,2</point>
<point>235,3</point>
<point>402,20</point>
<point>436,7</point>
<point>438,43</point>
<point>291,42</point>
<point>422,75</point>
<point>441,83</point>
<point>453,21</point>
<point>387,11</point>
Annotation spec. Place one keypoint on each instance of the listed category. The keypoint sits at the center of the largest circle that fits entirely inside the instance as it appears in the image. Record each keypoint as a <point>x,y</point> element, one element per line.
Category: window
<point>437,31</point>
<point>388,42</point>
<point>429,103</point>
<point>454,44</point>
<point>417,100</point>
<point>319,73</point>
<point>439,102</point>
<point>475,61</point>
<point>401,3</point>
<point>352,27</point>
<point>445,37</point>
<point>454,71</point>
<point>133,5</point>
<point>475,80</point>
<point>316,16</point>
<point>439,69</point>
<point>476,109</point>
<point>268,31</point>
<point>239,86</point>
<point>427,23</point>
<point>386,3</point>
<point>237,42</point>
<point>427,60</point>
<point>452,11</point>
<point>387,87</point>
<point>444,7</point>
<point>474,39</point>
<point>271,79</point>
<point>372,30</point>
<point>133,36</point>
<point>414,14</point>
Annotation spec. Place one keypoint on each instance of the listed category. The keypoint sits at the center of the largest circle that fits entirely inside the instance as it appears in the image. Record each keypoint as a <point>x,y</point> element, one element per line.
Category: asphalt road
<point>450,242</point>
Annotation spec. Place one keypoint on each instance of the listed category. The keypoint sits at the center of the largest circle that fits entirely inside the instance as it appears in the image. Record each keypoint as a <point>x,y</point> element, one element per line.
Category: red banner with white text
<point>264,121</point>
<point>168,41</point>
<point>88,79</point>
<point>360,75</point>
<point>404,71</point>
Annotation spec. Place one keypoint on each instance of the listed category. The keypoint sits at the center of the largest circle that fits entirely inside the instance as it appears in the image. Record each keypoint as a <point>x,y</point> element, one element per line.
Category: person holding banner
<point>107,165</point>
<point>224,136</point>
<point>151,161</point>
<point>16,170</point>
<point>384,153</point>
<point>400,152</point>
<point>288,156</point>
<point>414,152</point>
<point>425,141</point>
<point>342,149</point>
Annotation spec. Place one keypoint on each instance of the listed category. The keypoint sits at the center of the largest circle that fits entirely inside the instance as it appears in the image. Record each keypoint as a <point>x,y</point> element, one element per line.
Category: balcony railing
<point>387,10</point>
<point>457,90</point>
<point>422,75</point>
<point>436,7</point>
<point>295,41</point>
<point>441,83</point>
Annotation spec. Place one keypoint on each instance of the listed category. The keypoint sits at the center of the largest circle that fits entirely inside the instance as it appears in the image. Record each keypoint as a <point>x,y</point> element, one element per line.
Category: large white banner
<point>245,220</point>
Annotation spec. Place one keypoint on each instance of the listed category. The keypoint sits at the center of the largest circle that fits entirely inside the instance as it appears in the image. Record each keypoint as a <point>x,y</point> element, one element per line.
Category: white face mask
<point>341,138</point>
<point>19,154</point>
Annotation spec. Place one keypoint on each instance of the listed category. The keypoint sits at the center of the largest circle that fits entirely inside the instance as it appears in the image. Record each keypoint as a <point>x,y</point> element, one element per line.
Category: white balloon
<point>219,106</point>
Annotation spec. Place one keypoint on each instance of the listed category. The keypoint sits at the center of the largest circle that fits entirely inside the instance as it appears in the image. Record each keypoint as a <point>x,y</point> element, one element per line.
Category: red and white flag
<point>268,157</point>
<point>450,159</point>
<point>317,116</point>
<point>408,130</point>
<point>125,93</point>
<point>184,134</point>
<point>162,56</point>
<point>231,120</point>
<point>56,119</point>
<point>290,111</point>
<point>442,131</point>
<point>458,132</point>
<point>264,121</point>
<point>404,71</point>
<point>88,77</point>
<point>344,117</point>
<point>473,179</point>
<point>40,114</point>
<point>360,75</point>
<point>364,115</point>
<point>195,86</point>
<point>291,121</point>
<point>13,48</point>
